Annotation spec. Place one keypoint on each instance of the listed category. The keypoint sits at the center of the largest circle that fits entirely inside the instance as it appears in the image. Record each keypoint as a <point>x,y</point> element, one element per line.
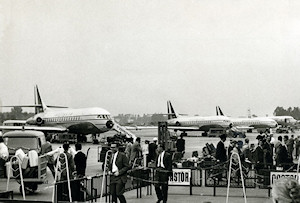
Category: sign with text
<point>180,177</point>
<point>277,175</point>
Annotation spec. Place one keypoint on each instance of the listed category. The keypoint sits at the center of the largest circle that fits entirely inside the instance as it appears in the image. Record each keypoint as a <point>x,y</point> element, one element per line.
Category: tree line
<point>294,112</point>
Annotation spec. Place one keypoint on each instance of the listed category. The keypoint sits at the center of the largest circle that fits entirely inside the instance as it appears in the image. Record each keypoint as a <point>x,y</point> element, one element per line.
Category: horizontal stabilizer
<point>39,128</point>
<point>33,106</point>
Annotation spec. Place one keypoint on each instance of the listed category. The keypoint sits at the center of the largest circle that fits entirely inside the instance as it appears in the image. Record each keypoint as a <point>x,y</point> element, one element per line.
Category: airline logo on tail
<point>171,111</point>
<point>40,105</point>
<point>219,111</point>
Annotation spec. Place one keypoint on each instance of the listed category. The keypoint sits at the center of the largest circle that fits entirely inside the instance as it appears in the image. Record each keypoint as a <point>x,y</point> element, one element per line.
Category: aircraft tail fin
<point>220,112</point>
<point>40,105</point>
<point>171,112</point>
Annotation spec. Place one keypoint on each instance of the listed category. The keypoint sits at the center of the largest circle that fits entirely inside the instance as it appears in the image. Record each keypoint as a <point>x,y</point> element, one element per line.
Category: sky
<point>132,56</point>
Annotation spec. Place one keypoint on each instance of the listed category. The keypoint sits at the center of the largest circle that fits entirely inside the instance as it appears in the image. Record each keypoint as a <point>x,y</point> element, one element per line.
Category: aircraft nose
<point>109,124</point>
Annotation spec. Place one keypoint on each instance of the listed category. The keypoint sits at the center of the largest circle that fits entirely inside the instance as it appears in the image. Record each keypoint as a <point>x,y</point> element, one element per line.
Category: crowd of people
<point>267,153</point>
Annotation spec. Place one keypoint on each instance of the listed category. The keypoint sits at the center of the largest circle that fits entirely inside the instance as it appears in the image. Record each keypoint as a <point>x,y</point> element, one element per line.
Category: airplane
<point>83,121</point>
<point>195,123</point>
<point>284,120</point>
<point>250,123</point>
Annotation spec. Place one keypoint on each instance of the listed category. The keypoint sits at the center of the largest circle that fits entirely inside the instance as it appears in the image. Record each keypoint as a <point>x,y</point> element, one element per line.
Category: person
<point>128,147</point>
<point>297,145</point>
<point>3,157</point>
<point>290,147</point>
<point>70,160</point>
<point>45,148</point>
<point>246,150</point>
<point>286,189</point>
<point>152,150</point>
<point>163,170</point>
<point>230,147</point>
<point>268,152</point>
<point>118,168</point>
<point>258,157</point>
<point>281,154</point>
<point>221,150</point>
<point>136,150</point>
<point>80,161</point>
<point>180,145</point>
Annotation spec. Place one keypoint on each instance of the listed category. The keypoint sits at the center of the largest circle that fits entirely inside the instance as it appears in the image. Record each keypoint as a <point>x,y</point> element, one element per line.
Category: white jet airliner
<point>195,123</point>
<point>79,121</point>
<point>250,123</point>
<point>284,120</point>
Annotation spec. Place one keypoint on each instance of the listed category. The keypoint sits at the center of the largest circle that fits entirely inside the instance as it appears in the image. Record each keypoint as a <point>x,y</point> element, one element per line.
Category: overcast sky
<point>133,56</point>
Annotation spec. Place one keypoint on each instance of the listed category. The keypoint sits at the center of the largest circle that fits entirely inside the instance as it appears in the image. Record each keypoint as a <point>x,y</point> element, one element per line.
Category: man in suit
<point>180,145</point>
<point>221,150</point>
<point>118,174</point>
<point>152,150</point>
<point>45,148</point>
<point>162,173</point>
<point>80,161</point>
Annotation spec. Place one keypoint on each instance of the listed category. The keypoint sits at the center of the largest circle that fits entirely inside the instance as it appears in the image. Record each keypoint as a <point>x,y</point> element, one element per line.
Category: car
<point>24,139</point>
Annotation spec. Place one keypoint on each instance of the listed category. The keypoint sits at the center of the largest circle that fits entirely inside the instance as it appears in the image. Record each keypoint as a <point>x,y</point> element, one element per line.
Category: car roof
<point>24,133</point>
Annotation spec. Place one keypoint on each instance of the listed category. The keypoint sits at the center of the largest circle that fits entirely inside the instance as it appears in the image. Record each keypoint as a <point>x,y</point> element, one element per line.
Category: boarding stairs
<point>123,130</point>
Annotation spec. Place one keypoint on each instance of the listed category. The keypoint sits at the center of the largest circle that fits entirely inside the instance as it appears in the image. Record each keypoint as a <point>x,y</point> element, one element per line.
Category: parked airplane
<point>284,120</point>
<point>250,123</point>
<point>195,123</point>
<point>79,121</point>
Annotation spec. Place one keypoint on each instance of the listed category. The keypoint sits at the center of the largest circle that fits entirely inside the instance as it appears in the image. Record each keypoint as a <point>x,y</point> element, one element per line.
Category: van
<point>24,139</point>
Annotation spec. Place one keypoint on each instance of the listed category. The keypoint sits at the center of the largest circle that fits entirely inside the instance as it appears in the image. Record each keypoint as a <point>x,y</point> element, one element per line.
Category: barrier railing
<point>89,188</point>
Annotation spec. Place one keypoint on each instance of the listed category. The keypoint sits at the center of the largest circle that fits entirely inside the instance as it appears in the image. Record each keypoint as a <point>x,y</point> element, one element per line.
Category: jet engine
<point>109,124</point>
<point>39,121</point>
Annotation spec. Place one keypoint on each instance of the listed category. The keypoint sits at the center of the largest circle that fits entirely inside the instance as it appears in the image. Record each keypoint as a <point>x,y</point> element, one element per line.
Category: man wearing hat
<point>118,173</point>
<point>152,150</point>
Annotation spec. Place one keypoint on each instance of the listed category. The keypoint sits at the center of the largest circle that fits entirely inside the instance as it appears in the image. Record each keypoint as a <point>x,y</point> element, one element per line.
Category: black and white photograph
<point>150,101</point>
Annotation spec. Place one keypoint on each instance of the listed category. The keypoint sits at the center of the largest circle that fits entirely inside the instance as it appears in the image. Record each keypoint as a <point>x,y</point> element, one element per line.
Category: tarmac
<point>179,194</point>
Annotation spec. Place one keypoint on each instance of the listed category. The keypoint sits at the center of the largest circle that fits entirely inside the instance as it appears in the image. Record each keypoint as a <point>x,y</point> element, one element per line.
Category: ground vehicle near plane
<point>28,140</point>
<point>216,132</point>
<point>282,130</point>
<point>24,139</point>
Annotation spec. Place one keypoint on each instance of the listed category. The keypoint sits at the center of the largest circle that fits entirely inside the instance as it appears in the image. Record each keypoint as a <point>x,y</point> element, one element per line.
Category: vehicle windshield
<point>17,142</point>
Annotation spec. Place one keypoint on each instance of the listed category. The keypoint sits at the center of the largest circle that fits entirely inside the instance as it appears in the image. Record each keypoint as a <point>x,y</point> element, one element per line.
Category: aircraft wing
<point>183,128</point>
<point>244,127</point>
<point>140,127</point>
<point>39,128</point>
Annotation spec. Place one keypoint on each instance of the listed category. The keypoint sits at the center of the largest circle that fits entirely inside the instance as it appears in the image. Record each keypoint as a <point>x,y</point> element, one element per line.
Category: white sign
<point>180,177</point>
<point>277,175</point>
